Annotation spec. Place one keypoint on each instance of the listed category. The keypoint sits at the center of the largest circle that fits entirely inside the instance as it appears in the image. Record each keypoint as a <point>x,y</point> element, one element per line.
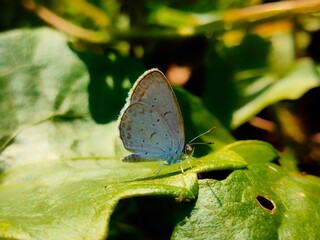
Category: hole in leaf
<point>266,203</point>
<point>218,175</point>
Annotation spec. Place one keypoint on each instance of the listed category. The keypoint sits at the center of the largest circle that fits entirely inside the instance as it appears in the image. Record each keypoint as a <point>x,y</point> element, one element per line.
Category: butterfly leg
<point>189,162</point>
<point>181,167</point>
<point>159,169</point>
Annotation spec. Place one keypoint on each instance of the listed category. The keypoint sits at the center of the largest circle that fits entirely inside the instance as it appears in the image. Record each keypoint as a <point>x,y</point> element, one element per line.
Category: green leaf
<point>74,197</point>
<point>298,81</point>
<point>244,79</point>
<point>262,202</point>
<point>254,151</point>
<point>223,94</point>
<point>197,120</point>
<point>61,172</point>
<point>36,81</point>
<point>111,77</point>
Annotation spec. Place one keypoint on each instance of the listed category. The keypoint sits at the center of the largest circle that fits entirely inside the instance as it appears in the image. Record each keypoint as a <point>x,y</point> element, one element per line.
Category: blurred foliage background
<point>253,63</point>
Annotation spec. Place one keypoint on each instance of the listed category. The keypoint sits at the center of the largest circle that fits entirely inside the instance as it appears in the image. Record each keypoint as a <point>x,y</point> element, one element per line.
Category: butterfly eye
<point>188,150</point>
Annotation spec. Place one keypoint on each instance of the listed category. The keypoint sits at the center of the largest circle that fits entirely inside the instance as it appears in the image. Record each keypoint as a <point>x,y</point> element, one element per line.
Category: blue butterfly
<point>151,124</point>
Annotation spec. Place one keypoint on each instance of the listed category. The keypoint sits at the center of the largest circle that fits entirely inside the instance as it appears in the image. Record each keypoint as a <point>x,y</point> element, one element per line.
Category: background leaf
<point>247,205</point>
<point>242,80</point>
<point>288,87</point>
<point>111,77</point>
<point>36,82</point>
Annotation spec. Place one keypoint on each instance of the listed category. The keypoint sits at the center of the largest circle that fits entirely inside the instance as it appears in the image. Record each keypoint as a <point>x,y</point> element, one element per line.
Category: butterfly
<point>151,125</point>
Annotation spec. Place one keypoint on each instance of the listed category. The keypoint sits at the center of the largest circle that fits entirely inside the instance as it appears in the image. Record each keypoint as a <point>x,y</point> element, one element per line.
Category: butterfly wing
<point>152,107</point>
<point>145,133</point>
<point>153,89</point>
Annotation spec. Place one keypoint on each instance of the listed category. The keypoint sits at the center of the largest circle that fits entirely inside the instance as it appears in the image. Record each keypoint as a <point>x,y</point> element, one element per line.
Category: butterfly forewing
<point>154,90</point>
<point>151,124</point>
<point>146,134</point>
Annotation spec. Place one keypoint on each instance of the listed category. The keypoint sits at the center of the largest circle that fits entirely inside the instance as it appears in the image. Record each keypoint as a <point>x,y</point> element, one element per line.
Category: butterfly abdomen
<point>132,158</point>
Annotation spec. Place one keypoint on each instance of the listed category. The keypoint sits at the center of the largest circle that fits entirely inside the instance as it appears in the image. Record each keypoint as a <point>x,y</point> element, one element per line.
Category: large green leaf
<point>261,202</point>
<point>74,199</point>
<point>65,194</point>
<point>39,77</point>
<point>61,172</point>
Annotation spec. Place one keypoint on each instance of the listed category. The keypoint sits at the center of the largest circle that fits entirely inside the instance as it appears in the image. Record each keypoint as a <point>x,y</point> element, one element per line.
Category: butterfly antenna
<point>200,143</point>
<point>206,132</point>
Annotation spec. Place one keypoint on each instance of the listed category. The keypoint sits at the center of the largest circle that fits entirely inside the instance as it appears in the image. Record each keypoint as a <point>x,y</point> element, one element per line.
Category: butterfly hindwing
<point>146,133</point>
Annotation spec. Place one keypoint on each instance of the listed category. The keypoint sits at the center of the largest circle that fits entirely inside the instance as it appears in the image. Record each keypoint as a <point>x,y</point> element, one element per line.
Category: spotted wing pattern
<point>151,125</point>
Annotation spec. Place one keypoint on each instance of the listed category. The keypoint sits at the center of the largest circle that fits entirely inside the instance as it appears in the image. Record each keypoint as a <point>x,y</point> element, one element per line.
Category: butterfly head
<point>188,150</point>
